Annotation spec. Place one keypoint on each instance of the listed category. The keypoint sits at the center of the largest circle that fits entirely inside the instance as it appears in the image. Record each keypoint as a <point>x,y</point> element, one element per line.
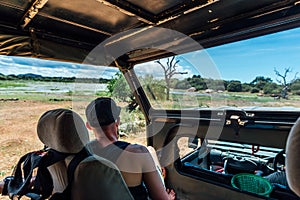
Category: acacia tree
<point>282,79</point>
<point>170,69</point>
<point>260,82</point>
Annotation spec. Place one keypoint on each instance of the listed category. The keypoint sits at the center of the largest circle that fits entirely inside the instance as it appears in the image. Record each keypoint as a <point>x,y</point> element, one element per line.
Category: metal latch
<point>236,122</point>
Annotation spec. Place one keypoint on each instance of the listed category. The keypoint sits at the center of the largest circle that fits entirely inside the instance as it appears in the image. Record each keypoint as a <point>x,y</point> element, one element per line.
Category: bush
<point>234,86</point>
<point>154,89</point>
<point>271,88</point>
<point>182,85</point>
<point>295,87</point>
<point>297,92</point>
<point>254,90</point>
<point>197,82</point>
<point>246,88</point>
<point>131,122</point>
<point>158,91</point>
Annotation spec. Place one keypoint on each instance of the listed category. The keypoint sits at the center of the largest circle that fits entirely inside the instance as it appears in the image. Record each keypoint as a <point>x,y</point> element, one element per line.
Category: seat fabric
<point>292,158</point>
<point>94,178</point>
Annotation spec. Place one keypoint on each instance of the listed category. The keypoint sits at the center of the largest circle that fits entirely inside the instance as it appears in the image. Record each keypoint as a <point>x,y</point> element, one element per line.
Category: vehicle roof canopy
<point>68,30</point>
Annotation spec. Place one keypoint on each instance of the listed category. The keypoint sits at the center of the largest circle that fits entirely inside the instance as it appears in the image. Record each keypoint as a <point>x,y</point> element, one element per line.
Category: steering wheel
<point>279,159</point>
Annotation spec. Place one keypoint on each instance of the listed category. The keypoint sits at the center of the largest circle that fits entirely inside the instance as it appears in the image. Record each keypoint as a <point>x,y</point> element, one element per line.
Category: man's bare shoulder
<point>137,148</point>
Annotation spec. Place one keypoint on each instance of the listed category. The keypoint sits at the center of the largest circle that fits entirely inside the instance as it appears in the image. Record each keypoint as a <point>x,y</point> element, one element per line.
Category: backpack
<point>36,163</point>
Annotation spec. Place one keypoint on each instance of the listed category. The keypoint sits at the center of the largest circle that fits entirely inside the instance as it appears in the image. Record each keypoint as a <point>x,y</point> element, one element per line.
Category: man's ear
<point>118,121</point>
<point>87,124</point>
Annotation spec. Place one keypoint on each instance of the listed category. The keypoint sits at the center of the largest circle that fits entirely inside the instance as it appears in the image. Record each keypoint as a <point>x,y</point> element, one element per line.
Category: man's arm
<point>140,158</point>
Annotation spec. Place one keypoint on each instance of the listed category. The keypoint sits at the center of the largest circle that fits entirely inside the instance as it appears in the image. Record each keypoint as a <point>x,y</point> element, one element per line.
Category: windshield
<point>258,72</point>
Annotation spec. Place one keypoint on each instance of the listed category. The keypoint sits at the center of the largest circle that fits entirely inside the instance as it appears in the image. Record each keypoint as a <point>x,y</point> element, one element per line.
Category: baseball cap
<point>102,111</point>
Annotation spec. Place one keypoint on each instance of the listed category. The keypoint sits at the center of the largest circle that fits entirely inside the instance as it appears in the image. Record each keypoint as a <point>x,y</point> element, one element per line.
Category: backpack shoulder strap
<point>19,184</point>
<point>121,144</point>
<point>43,183</point>
<point>23,172</point>
<point>111,152</point>
<point>66,194</point>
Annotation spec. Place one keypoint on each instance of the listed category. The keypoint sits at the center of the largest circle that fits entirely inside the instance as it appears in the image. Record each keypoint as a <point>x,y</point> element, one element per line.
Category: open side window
<point>249,141</point>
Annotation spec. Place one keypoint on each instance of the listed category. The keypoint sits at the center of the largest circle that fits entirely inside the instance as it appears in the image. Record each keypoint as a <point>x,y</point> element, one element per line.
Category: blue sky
<point>247,59</point>
<point>242,60</point>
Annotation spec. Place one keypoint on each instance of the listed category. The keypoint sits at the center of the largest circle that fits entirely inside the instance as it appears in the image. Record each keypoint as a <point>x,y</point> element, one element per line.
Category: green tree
<point>246,87</point>
<point>155,89</point>
<point>254,90</point>
<point>260,82</point>
<point>215,84</point>
<point>182,85</point>
<point>197,82</point>
<point>119,88</point>
<point>234,86</point>
<point>271,88</point>
<point>295,85</point>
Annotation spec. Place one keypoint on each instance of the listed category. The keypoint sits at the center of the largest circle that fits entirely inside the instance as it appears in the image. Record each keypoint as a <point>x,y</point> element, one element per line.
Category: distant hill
<point>37,77</point>
<point>30,75</point>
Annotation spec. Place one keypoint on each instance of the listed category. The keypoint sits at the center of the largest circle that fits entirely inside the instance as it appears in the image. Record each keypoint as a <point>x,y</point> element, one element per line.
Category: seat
<point>94,178</point>
<point>292,158</point>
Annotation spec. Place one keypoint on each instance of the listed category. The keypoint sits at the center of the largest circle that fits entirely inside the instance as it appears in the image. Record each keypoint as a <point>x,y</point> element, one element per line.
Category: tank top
<point>112,152</point>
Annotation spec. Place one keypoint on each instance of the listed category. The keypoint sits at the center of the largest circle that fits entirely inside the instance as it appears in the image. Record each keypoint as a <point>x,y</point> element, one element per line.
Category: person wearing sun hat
<point>134,161</point>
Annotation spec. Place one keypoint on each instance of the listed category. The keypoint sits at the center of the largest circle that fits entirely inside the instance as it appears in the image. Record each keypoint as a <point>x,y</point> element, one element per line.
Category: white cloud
<point>149,68</point>
<point>5,59</point>
<point>196,63</point>
<point>17,65</point>
<point>154,69</point>
<point>200,63</point>
<point>96,72</point>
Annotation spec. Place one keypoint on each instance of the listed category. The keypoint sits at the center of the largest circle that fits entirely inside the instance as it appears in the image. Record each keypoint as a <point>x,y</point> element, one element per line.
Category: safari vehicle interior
<point>202,145</point>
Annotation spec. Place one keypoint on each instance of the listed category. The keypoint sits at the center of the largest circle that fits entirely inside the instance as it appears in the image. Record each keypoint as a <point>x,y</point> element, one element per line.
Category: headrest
<point>62,130</point>
<point>292,158</point>
<point>97,178</point>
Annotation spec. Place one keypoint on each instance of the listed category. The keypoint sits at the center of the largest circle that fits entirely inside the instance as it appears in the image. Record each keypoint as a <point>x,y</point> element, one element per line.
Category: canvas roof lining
<point>80,25</point>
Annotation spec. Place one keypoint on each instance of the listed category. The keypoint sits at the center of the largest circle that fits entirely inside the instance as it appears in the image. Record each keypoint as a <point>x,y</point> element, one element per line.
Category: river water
<point>55,88</point>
